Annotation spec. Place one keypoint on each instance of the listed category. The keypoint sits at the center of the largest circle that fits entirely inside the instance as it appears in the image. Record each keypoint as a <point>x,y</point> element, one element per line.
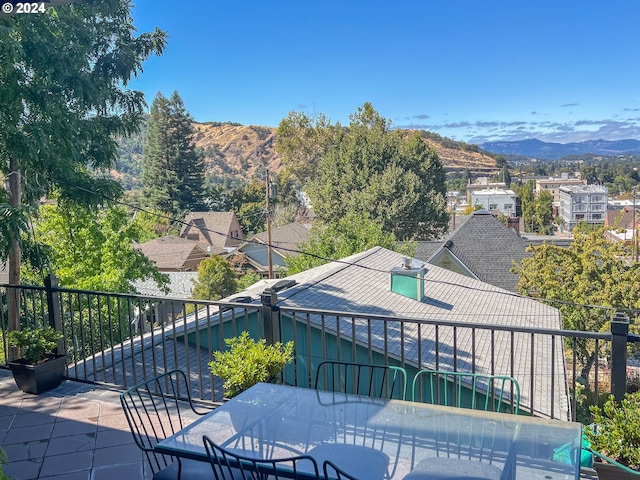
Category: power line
<point>354,264</point>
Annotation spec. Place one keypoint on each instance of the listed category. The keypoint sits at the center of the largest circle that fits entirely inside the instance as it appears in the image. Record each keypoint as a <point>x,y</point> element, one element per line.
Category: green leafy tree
<point>386,175</point>
<point>544,212</point>
<point>91,249</point>
<point>153,224</point>
<point>216,279</point>
<point>303,141</point>
<point>347,236</point>
<point>591,271</point>
<point>528,203</point>
<point>172,168</point>
<point>64,92</point>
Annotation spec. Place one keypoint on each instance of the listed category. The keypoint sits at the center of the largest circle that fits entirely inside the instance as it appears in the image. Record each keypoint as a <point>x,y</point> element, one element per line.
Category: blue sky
<point>471,70</point>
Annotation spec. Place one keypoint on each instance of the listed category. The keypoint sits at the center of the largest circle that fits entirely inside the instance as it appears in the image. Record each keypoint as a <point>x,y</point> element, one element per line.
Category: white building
<point>495,199</point>
<point>585,203</point>
<point>553,185</point>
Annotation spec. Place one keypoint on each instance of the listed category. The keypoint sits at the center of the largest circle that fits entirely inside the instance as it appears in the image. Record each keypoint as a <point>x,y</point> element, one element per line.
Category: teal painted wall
<point>309,352</point>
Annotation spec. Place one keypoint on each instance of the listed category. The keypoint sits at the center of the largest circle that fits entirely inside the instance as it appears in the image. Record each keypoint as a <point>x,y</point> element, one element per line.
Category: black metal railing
<point>121,340</point>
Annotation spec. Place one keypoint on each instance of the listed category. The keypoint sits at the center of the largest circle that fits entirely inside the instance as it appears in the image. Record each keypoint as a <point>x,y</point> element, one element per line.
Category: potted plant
<point>615,435</point>
<point>247,362</point>
<point>39,369</point>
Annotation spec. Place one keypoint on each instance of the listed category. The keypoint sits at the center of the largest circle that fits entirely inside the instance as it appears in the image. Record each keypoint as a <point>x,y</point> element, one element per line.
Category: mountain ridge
<point>534,148</point>
<point>239,152</point>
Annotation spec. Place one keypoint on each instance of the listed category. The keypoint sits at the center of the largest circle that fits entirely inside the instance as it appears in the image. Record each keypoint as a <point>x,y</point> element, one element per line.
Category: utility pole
<point>269,226</point>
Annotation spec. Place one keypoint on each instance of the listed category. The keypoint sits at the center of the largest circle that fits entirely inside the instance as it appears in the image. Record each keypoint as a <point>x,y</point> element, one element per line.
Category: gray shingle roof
<point>360,285</point>
<point>488,249</point>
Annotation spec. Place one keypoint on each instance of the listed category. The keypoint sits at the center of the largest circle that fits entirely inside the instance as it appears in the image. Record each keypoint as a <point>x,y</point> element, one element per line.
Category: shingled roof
<point>172,253</point>
<point>360,283</point>
<point>487,248</point>
<point>217,229</point>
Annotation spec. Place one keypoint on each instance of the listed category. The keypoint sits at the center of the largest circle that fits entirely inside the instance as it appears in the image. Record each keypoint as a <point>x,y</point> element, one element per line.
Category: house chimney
<point>408,279</point>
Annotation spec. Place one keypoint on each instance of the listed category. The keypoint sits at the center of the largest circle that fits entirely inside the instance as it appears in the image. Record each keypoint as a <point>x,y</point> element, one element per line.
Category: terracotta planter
<point>606,471</point>
<point>40,377</point>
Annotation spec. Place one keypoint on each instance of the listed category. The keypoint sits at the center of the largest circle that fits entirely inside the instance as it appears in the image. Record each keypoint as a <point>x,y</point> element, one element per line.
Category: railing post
<point>619,333</point>
<point>269,299</point>
<point>53,305</point>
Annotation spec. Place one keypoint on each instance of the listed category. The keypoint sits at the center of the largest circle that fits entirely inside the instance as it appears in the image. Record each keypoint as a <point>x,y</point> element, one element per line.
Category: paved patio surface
<point>74,432</point>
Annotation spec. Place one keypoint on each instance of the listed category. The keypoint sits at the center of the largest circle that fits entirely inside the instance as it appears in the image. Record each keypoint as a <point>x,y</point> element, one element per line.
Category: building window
<point>596,216</point>
<point>579,216</point>
<point>493,206</point>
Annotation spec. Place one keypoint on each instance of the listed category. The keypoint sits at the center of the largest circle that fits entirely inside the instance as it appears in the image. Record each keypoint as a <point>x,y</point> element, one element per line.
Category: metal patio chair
<point>333,472</point>
<point>155,410</point>
<point>227,465</point>
<point>381,381</point>
<point>477,391</point>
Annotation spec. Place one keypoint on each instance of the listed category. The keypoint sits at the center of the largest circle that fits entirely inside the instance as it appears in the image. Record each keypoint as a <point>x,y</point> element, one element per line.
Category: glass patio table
<point>374,438</point>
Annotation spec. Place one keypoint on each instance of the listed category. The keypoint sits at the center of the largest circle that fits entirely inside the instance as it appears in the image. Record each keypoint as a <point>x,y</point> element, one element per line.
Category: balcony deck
<point>77,431</point>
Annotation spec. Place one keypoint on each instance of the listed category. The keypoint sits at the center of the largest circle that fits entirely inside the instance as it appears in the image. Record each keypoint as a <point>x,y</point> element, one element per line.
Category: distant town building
<point>583,203</point>
<point>552,185</point>
<point>482,183</point>
<point>495,200</point>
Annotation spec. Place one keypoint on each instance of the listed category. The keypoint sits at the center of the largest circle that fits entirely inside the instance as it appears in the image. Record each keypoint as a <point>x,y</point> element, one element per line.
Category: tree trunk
<point>586,368</point>
<point>13,294</point>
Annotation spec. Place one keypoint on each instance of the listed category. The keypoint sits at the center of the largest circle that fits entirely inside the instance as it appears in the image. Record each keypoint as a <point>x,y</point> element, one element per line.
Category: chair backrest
<point>155,410</point>
<point>228,465</point>
<point>333,472</point>
<point>382,381</point>
<point>477,391</point>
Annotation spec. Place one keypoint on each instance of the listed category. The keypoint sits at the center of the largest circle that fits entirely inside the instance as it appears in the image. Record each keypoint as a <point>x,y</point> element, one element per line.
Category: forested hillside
<point>239,152</point>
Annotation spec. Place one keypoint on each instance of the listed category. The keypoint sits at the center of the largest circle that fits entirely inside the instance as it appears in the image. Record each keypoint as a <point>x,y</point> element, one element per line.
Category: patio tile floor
<point>75,432</point>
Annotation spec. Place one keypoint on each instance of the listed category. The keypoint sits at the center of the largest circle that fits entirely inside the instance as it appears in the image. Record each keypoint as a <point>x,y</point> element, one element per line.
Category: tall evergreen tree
<point>172,169</point>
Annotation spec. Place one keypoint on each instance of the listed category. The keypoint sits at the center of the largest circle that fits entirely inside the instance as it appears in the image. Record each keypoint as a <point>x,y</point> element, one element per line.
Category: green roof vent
<point>408,279</point>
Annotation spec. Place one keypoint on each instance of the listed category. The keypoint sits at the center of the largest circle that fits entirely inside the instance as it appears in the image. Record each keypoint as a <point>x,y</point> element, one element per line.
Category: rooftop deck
<point>77,431</point>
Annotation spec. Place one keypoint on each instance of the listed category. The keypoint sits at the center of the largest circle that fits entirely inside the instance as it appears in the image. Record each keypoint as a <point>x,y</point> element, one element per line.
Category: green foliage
<point>346,236</point>
<point>93,249</point>
<point>3,461</point>
<point>303,141</point>
<point>386,175</point>
<point>246,280</point>
<point>247,362</point>
<point>151,225</point>
<point>63,83</point>
<point>216,279</point>
<point>591,271</point>
<point>617,430</point>
<point>172,168</point>
<point>34,343</point>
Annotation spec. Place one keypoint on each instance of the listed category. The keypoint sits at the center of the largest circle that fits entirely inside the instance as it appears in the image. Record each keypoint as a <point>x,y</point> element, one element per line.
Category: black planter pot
<point>606,471</point>
<point>40,377</point>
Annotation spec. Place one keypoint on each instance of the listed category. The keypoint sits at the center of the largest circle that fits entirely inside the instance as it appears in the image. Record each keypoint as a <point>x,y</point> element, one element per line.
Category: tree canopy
<point>64,93</point>
<point>91,249</point>
<point>216,279</point>
<point>346,236</point>
<point>172,168</point>
<point>591,271</point>
<point>371,170</point>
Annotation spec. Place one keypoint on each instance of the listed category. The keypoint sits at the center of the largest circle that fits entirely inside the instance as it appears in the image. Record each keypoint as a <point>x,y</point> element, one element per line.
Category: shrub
<point>247,362</point>
<point>35,343</point>
<point>616,431</point>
